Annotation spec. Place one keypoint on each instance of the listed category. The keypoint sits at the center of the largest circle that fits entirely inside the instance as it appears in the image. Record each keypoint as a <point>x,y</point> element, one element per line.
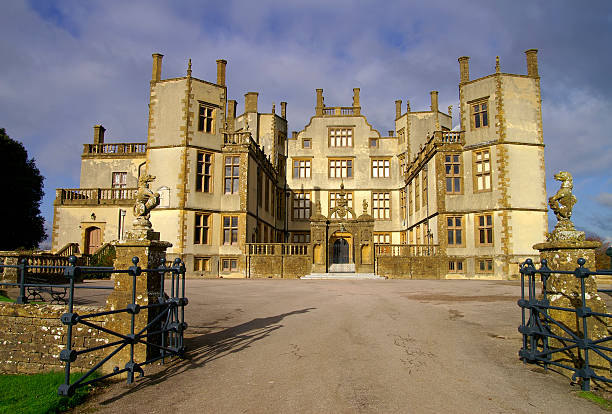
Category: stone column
<point>150,254</point>
<point>564,246</point>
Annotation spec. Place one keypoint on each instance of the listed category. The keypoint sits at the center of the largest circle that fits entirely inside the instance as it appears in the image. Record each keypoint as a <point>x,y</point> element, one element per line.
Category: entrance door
<point>341,251</point>
<point>93,239</point>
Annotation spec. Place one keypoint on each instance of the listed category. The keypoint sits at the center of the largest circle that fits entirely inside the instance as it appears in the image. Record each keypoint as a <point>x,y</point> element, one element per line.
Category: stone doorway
<point>342,255</point>
<point>340,251</point>
<point>93,239</point>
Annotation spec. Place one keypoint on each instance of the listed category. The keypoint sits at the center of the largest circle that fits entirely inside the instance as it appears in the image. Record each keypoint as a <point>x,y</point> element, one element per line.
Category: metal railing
<point>169,323</point>
<point>538,326</point>
<point>115,149</point>
<point>406,250</point>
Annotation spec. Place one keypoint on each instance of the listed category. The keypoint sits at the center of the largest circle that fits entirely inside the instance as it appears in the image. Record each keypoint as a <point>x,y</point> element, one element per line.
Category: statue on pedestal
<point>146,200</point>
<point>562,204</point>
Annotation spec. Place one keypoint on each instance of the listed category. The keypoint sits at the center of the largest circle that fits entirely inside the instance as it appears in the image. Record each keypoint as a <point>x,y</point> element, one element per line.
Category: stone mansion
<point>336,195</point>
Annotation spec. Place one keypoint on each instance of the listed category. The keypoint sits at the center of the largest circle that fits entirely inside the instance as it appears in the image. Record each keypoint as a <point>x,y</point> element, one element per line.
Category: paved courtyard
<point>398,346</point>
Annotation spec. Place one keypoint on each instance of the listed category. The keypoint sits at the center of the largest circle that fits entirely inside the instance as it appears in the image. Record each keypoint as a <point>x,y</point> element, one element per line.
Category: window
<point>402,165</point>
<point>480,116</point>
<point>340,137</point>
<point>259,187</point>
<point>455,266</point>
<point>201,264</point>
<point>401,136</point>
<point>417,232</point>
<point>402,203</point>
<point>301,205</point>
<point>334,197</point>
<point>279,204</point>
<point>306,143</point>
<point>267,194</point>
<point>341,168</point>
<point>229,265</point>
<point>230,229</point>
<point>452,167</point>
<point>410,199</point>
<point>206,118</point>
<point>402,237</point>
<point>301,168</point>
<point>417,194</point>
<point>382,238</point>
<point>380,168</point>
<point>484,229</point>
<point>411,236</point>
<point>482,170</point>
<point>232,174</point>
<point>373,142</point>
<point>202,228</point>
<point>454,227</point>
<point>381,206</point>
<point>425,197</point>
<point>204,172</point>
<point>484,265</point>
<point>301,237</point>
<point>119,181</point>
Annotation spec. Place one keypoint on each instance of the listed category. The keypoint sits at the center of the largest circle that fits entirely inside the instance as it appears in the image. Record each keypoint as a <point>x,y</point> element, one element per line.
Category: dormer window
<point>480,113</point>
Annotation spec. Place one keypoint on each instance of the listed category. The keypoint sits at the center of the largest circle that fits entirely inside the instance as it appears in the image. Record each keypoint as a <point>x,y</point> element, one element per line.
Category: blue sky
<point>67,65</point>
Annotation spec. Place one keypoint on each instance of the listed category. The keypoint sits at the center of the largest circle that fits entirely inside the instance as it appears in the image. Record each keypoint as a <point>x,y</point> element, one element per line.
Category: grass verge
<point>5,299</point>
<point>37,393</point>
<point>602,402</point>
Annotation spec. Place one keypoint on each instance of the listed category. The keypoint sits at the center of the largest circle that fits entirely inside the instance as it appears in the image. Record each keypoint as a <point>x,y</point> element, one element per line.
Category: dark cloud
<point>81,63</point>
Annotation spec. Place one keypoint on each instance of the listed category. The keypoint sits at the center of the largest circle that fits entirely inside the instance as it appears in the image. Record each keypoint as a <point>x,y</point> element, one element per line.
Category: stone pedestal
<point>150,253</point>
<point>565,291</point>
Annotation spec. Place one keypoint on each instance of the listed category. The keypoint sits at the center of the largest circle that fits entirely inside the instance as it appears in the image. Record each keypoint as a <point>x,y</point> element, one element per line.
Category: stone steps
<point>342,276</point>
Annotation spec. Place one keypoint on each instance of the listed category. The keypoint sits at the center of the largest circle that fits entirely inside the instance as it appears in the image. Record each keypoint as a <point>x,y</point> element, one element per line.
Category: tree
<point>22,190</point>
<point>602,260</point>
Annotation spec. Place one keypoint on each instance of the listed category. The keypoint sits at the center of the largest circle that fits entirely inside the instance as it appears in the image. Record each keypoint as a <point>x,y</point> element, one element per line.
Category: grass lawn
<point>37,394</point>
<point>5,299</point>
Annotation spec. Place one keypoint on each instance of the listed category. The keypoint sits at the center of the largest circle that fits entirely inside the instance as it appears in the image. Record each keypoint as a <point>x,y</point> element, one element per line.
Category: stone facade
<point>475,191</point>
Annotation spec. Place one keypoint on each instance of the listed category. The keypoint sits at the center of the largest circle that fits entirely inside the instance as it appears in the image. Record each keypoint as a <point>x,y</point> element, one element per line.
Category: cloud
<point>82,63</point>
<point>604,199</point>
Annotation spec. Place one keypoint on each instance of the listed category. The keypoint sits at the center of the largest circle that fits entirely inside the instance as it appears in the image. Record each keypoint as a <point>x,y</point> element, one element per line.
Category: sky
<point>68,65</point>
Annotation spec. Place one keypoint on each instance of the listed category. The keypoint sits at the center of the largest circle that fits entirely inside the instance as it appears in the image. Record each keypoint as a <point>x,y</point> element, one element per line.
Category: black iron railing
<point>539,327</point>
<point>168,324</point>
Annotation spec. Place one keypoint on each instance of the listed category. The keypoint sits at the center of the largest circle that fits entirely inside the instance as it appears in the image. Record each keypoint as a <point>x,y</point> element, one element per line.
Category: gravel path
<point>397,346</point>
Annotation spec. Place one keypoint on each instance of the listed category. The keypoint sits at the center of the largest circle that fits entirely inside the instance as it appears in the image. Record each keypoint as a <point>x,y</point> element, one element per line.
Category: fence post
<point>22,298</point>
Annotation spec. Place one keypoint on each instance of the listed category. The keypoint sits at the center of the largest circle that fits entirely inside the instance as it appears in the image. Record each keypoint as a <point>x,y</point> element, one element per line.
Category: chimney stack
<point>434,101</point>
<point>398,108</point>
<point>464,68</point>
<point>532,63</point>
<point>319,107</point>
<point>284,110</point>
<point>221,71</point>
<point>99,134</point>
<point>157,63</point>
<point>231,114</point>
<point>391,133</point>
<point>250,101</point>
<point>356,103</point>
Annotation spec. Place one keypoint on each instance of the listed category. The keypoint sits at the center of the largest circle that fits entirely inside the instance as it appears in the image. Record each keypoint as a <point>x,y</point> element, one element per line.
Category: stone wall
<point>32,337</point>
<point>277,266</point>
<point>412,267</point>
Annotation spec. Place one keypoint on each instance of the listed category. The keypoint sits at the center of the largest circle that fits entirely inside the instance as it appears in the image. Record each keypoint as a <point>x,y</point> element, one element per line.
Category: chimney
<point>231,114</point>
<point>221,71</point>
<point>391,133</point>
<point>99,134</point>
<point>434,101</point>
<point>284,110</point>
<point>398,108</point>
<point>250,101</point>
<point>157,62</point>
<point>356,103</point>
<point>464,68</point>
<point>532,63</point>
<point>294,134</point>
<point>319,107</point>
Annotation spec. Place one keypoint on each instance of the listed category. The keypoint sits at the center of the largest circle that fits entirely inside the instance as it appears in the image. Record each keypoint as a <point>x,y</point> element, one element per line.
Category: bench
<point>57,293</point>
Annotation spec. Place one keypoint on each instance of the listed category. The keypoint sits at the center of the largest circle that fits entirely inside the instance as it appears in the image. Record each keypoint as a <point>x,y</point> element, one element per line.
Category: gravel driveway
<point>397,346</point>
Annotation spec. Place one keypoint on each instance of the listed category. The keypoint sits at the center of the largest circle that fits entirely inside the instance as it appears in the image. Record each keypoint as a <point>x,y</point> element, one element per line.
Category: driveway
<point>397,346</point>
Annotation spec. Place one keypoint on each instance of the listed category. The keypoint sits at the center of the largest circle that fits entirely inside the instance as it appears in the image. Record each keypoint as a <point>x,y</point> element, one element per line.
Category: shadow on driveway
<point>205,348</point>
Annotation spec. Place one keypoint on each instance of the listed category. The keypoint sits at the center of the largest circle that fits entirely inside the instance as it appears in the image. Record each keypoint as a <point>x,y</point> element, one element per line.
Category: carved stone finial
<point>450,111</point>
<point>318,207</point>
<point>496,64</point>
<point>273,108</point>
<point>189,69</point>
<point>562,204</point>
<point>408,106</point>
<point>145,201</point>
<point>365,206</point>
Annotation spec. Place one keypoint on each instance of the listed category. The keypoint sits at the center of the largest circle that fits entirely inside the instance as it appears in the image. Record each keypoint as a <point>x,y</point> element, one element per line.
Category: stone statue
<point>562,204</point>
<point>146,201</point>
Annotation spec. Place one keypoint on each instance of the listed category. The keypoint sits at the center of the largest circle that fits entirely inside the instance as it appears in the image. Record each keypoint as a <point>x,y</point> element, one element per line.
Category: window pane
<point>458,236</point>
<point>457,185</point>
<point>449,185</point>
<point>450,237</point>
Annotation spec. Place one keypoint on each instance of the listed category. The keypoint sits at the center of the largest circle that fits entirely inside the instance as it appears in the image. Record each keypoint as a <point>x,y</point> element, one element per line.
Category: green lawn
<point>5,299</point>
<point>37,394</point>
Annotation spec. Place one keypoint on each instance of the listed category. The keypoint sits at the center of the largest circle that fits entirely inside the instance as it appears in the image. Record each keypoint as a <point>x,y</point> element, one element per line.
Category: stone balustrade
<point>115,149</point>
<point>87,196</point>
<point>406,250</point>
